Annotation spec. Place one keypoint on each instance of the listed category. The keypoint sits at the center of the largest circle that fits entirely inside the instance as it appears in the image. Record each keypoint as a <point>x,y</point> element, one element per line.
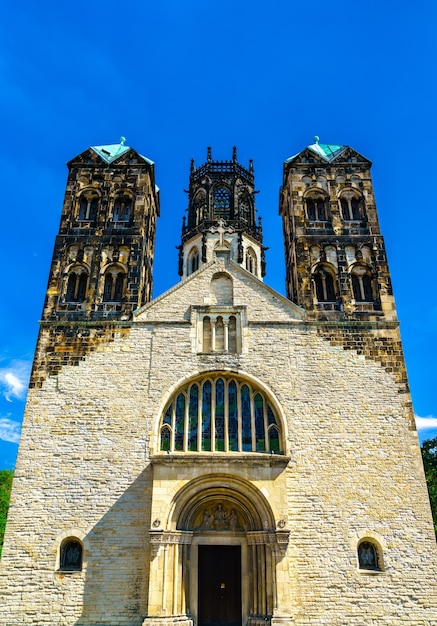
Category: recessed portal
<point>219,585</point>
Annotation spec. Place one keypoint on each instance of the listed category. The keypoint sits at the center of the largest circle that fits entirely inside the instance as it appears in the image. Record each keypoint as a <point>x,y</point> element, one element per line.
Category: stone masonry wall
<point>90,432</point>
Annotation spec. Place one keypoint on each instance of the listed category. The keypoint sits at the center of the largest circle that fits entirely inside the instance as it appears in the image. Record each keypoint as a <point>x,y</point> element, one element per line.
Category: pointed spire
<point>234,154</point>
<point>208,157</point>
<point>192,168</point>
<point>251,166</point>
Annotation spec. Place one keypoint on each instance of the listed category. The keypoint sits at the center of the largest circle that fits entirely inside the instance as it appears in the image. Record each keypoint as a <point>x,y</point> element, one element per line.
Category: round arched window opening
<point>220,413</point>
<point>368,558</point>
<point>71,555</point>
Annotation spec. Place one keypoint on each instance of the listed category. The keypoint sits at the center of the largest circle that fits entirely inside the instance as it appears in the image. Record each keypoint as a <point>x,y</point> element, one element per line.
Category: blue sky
<point>174,77</point>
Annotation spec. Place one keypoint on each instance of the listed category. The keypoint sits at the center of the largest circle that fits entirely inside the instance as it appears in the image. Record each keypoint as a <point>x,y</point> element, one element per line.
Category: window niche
<point>351,206</point>
<point>324,284</point>
<point>316,208</point>
<point>193,261</point>
<point>122,209</point>
<point>88,204</point>
<point>76,285</point>
<point>369,557</point>
<point>220,333</point>
<point>362,284</point>
<point>113,285</point>
<point>251,264</point>
<point>71,554</point>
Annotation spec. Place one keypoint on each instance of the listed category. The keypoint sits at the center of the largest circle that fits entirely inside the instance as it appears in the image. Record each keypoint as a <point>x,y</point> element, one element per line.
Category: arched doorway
<point>221,553</point>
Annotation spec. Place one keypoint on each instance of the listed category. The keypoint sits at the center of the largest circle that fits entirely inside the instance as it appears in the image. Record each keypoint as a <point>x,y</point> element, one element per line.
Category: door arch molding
<point>254,511</point>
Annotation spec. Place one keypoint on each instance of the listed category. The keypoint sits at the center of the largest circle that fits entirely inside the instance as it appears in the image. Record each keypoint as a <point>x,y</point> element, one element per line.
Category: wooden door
<point>219,585</point>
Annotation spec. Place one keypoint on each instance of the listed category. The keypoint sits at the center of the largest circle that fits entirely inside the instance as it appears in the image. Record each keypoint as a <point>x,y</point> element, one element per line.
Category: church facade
<point>222,454</point>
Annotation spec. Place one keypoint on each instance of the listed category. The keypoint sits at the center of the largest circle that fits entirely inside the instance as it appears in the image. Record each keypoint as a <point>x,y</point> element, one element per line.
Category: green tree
<point>429,456</point>
<point>5,494</point>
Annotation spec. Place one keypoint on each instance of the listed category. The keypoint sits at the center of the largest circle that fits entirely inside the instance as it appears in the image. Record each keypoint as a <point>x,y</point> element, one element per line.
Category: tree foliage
<point>5,493</point>
<point>429,456</point>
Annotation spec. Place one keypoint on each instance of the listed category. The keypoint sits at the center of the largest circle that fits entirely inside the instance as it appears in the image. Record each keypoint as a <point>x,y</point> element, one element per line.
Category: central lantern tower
<point>221,217</point>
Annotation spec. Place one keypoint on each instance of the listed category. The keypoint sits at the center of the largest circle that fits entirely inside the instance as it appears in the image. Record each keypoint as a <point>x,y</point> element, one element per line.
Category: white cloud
<point>13,380</point>
<point>426,423</point>
<point>9,430</point>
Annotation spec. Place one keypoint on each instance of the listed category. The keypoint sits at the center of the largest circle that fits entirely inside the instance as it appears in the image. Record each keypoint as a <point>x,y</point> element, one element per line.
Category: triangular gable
<point>185,293</point>
<point>110,153</point>
<point>327,153</point>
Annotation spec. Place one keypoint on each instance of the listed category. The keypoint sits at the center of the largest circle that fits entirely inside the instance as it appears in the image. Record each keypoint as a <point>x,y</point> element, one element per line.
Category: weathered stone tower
<point>335,254</point>
<point>220,455</point>
<point>103,256</point>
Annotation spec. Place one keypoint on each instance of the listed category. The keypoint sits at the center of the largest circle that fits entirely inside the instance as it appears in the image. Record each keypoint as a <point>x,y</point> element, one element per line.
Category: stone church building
<point>219,455</point>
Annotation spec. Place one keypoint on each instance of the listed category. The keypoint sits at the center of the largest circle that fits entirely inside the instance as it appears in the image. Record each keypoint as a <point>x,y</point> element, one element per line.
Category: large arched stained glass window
<point>220,413</point>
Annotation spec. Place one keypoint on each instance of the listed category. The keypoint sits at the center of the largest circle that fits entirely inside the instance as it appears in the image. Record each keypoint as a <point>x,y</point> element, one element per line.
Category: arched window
<point>368,556</point>
<point>122,209</point>
<point>88,207</point>
<point>219,333</point>
<point>200,209</point>
<point>193,261</point>
<point>244,207</point>
<point>220,413</point>
<point>250,261</point>
<point>324,285</point>
<point>362,284</point>
<point>350,206</point>
<point>232,334</point>
<point>221,203</point>
<point>113,286</point>
<point>77,283</point>
<point>71,555</point>
<point>316,210</point>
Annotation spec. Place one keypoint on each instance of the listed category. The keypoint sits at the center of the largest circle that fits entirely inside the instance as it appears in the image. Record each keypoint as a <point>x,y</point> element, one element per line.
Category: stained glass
<point>220,415</point>
<point>260,436</point>
<point>274,439</point>
<point>206,416</point>
<point>221,203</point>
<point>246,420</point>
<point>232,416</point>
<point>165,439</point>
<point>167,415</point>
<point>179,422</point>
<point>193,418</point>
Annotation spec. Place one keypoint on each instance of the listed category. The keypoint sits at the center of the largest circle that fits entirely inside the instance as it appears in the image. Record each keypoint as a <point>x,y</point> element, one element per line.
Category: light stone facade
<point>92,467</point>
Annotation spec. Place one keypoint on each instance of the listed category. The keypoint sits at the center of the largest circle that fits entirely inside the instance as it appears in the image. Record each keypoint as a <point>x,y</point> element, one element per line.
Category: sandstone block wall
<point>87,468</point>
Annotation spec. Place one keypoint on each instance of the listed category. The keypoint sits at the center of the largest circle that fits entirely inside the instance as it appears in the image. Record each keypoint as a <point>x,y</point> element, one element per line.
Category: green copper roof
<point>328,151</point>
<point>112,151</point>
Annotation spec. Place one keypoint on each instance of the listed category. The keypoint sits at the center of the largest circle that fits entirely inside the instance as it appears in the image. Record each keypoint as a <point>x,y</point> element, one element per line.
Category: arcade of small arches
<point>317,205</point>
<point>326,289</point>
<point>112,274</point>
<point>325,274</point>
<point>220,413</point>
<point>120,207</point>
